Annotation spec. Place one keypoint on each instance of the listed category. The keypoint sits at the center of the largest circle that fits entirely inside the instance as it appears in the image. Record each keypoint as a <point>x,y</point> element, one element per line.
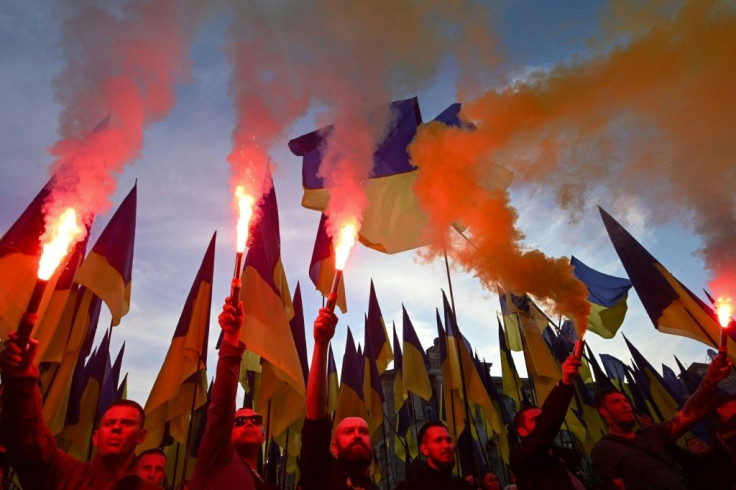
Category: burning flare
<point>345,242</point>
<point>724,309</point>
<point>59,237</point>
<point>245,207</point>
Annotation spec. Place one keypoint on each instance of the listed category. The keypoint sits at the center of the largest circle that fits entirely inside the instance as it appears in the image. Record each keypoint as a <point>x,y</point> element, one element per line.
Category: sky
<point>475,54</point>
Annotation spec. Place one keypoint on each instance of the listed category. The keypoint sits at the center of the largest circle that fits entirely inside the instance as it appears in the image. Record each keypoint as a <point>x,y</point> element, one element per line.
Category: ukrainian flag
<point>453,412</point>
<point>372,389</point>
<point>108,269</point>
<point>511,382</point>
<point>655,386</point>
<point>393,221</point>
<point>672,307</point>
<point>414,361</point>
<point>350,402</point>
<point>333,386</point>
<point>607,297</point>
<point>376,332</point>
<point>322,265</point>
<point>183,377</point>
<point>399,391</point>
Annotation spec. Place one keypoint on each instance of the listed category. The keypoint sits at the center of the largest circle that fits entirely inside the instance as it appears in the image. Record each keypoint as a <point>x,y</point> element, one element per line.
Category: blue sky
<point>184,195</point>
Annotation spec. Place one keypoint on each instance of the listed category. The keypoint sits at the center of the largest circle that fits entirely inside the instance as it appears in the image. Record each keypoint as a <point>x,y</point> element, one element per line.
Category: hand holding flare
<point>245,212</point>
<point>58,239</point>
<point>345,243</point>
<point>724,309</point>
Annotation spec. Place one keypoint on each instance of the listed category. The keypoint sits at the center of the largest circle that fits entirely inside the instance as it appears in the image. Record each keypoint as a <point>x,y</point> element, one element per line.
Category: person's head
<point>151,466</point>
<point>120,431</point>
<point>490,481</point>
<point>352,443</point>
<point>725,408</point>
<point>697,446</point>
<point>248,433</point>
<point>615,408</point>
<point>526,419</point>
<point>437,445</point>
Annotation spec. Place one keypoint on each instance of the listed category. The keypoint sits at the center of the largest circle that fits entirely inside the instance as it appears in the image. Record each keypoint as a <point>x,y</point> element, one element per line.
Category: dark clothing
<point>32,449</point>
<point>319,469</point>
<point>423,477</point>
<point>641,463</point>
<point>218,465</point>
<point>260,483</point>
<point>723,454</point>
<point>533,461</point>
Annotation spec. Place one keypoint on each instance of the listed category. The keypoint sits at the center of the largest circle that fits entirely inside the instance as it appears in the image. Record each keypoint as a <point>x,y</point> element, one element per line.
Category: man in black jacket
<point>535,462</point>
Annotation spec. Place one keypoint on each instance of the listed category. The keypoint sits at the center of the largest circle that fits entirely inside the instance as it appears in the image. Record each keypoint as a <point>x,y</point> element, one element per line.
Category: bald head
<point>352,443</point>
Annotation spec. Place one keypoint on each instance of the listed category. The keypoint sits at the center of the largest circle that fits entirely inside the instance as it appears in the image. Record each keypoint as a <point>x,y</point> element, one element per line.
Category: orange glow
<point>345,242</point>
<point>58,239</point>
<point>724,309</point>
<point>245,209</point>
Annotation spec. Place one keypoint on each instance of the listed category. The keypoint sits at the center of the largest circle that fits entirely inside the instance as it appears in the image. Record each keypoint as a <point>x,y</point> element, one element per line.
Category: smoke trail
<point>349,58</point>
<point>650,118</point>
<point>121,65</point>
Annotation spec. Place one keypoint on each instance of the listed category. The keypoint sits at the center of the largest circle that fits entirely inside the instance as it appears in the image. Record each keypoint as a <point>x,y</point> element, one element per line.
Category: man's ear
<point>424,449</point>
<point>333,448</point>
<point>141,436</point>
<point>522,431</point>
<point>94,438</point>
<point>604,413</point>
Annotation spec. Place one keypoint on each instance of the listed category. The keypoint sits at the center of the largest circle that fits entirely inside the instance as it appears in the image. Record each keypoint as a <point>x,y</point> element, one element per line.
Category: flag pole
<point>466,405</point>
<point>385,446</point>
<point>191,423</point>
<point>284,461</point>
<point>102,381</point>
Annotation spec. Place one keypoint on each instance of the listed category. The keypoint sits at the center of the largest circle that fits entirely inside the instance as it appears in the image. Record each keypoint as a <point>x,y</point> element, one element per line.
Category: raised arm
<point>31,446</point>
<point>699,403</point>
<point>324,329</point>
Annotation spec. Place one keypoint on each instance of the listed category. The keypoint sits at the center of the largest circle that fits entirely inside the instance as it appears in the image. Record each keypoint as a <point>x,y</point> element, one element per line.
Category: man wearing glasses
<point>228,453</point>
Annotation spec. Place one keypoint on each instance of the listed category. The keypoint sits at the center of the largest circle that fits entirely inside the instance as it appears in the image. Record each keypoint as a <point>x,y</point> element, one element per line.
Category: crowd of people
<point>635,454</point>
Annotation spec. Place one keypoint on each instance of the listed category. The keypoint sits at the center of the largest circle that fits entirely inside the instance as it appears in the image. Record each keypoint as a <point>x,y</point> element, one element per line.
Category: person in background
<point>151,466</point>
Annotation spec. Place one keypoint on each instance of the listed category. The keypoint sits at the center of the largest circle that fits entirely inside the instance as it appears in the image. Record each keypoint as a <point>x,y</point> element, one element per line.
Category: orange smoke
<point>651,118</point>
<point>344,59</point>
<point>123,66</point>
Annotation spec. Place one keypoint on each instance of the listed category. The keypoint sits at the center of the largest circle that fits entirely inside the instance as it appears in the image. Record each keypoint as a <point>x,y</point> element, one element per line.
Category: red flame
<point>59,237</point>
<point>345,242</point>
<point>245,211</point>
<point>724,309</point>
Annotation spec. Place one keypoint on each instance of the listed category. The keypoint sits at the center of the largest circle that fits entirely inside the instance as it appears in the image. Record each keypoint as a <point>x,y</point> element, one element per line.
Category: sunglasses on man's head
<point>240,420</point>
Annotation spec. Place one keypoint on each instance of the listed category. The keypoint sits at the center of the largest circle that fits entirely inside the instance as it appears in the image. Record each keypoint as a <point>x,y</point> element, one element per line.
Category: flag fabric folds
<point>322,265</point>
<point>183,377</point>
<point>400,395</point>
<point>350,402</point>
<point>393,220</point>
<point>333,386</point>
<point>414,361</point>
<point>672,307</point>
<point>512,386</point>
<point>372,389</point>
<point>607,297</point>
<point>376,332</point>
<point>653,385</point>
<point>266,298</point>
<point>107,270</point>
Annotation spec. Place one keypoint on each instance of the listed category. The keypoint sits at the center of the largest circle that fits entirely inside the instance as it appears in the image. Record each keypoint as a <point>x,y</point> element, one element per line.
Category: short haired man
<point>151,466</point>
<point>32,449</point>
<point>219,461</point>
<point>633,459</point>
<point>536,461</point>
<point>438,448</point>
<point>490,481</point>
<point>345,461</point>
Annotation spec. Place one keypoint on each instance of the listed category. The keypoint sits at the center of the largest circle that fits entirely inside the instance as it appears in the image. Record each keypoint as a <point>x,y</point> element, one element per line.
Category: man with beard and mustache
<point>438,447</point>
<point>230,439</point>
<point>344,462</point>
<point>638,459</point>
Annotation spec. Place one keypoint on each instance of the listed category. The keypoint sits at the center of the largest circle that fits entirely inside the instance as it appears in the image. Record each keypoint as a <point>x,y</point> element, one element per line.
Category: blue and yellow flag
<point>350,402</point>
<point>452,410</point>
<point>183,377</point>
<point>108,395</point>
<point>654,385</point>
<point>333,385</point>
<point>509,375</point>
<point>372,389</point>
<point>393,220</point>
<point>298,332</point>
<point>376,331</point>
<point>400,395</point>
<point>322,265</point>
<point>607,297</point>
<point>107,270</point>
<point>414,361</point>
<point>672,307</point>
